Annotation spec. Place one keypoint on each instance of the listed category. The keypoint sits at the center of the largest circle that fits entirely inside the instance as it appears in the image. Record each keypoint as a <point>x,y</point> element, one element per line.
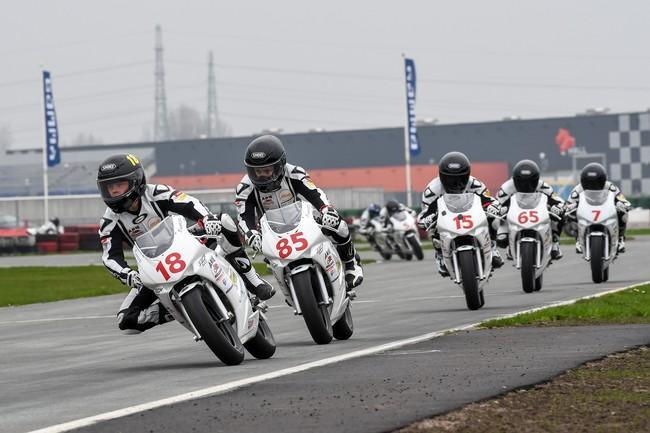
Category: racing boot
<point>579,249</point>
<point>352,263</point>
<point>556,252</point>
<point>621,245</point>
<point>256,285</point>
<point>440,261</point>
<point>497,261</point>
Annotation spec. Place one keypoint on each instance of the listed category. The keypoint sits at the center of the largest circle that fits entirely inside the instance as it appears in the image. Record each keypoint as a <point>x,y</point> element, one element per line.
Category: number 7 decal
<point>596,214</point>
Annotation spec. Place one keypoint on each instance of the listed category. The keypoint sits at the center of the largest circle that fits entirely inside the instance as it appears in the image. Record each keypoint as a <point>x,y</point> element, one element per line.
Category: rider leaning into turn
<point>454,178</point>
<point>135,207</point>
<point>391,208</point>
<point>272,183</point>
<point>525,179</point>
<point>594,178</point>
<point>367,216</point>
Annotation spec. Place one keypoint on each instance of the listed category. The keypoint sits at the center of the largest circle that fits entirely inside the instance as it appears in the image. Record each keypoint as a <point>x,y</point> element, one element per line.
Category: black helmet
<point>454,169</point>
<point>593,176</point>
<point>266,151</point>
<point>119,168</point>
<point>525,175</point>
<point>392,206</point>
<point>374,209</point>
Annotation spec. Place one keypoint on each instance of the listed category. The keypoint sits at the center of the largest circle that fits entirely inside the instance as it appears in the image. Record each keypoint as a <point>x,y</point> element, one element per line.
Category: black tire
<point>220,337</point>
<point>597,251</point>
<point>467,265</point>
<point>539,282</point>
<point>344,327</point>
<point>528,250</point>
<point>385,256</point>
<point>417,247</point>
<point>317,317</point>
<point>262,346</point>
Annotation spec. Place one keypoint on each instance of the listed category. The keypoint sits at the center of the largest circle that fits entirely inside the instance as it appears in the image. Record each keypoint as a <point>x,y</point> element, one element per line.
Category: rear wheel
<point>385,256</point>
<point>217,332</point>
<point>596,254</point>
<point>467,265</point>
<point>417,247</point>
<point>527,251</point>
<point>262,346</point>
<point>317,317</point>
<point>344,327</point>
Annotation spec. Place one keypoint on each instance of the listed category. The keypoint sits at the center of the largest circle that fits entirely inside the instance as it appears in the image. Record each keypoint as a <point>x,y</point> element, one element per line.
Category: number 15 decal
<point>285,250</point>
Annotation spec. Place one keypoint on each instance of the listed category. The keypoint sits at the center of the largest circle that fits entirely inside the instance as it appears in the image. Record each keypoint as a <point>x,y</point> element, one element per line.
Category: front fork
<point>538,252</point>
<point>588,245</point>
<point>325,298</point>
<point>479,263</point>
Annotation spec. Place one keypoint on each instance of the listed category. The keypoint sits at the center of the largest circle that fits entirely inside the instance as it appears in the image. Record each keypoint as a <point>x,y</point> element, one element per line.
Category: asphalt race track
<point>64,361</point>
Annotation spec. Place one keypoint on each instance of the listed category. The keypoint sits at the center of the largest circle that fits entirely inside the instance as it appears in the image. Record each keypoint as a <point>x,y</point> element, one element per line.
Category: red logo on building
<point>564,140</point>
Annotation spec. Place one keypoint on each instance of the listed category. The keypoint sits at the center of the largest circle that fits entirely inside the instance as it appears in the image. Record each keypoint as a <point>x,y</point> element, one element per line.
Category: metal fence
<point>87,209</point>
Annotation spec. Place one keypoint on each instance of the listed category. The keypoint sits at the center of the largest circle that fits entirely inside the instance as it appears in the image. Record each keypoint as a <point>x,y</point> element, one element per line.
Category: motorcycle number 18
<point>296,239</point>
<point>175,264</point>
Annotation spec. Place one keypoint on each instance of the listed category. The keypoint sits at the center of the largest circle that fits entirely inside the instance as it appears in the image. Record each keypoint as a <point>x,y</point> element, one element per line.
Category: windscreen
<point>400,216</point>
<point>286,218</point>
<point>528,200</point>
<point>596,198</point>
<point>157,240</point>
<point>459,203</point>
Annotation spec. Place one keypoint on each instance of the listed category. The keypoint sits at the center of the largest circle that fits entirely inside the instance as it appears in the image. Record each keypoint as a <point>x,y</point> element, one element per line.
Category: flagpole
<point>46,210</point>
<point>407,152</point>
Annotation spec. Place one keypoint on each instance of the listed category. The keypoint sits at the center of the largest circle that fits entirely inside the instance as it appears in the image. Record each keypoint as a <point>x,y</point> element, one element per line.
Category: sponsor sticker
<point>108,167</point>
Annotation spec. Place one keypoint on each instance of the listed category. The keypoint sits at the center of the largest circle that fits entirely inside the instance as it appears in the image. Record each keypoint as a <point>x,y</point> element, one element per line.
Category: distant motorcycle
<point>404,237</point>
<point>309,270</point>
<point>530,237</point>
<point>378,239</point>
<point>202,291</point>
<point>466,245</point>
<point>598,231</point>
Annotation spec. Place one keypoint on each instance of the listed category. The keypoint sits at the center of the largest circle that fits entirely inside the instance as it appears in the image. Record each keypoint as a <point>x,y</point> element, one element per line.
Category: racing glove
<point>427,221</point>
<point>493,211</point>
<point>212,225</point>
<point>254,240</point>
<point>133,280</point>
<point>331,218</point>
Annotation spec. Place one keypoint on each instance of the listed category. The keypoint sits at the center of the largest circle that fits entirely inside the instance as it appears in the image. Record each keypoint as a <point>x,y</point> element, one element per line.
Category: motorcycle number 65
<point>296,239</point>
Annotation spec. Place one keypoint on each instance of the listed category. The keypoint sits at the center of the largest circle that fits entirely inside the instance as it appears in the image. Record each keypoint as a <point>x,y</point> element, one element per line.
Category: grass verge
<point>28,285</point>
<point>627,306</point>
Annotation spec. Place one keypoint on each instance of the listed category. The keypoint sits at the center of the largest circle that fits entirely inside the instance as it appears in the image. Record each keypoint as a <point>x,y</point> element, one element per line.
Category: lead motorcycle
<point>202,291</point>
<point>598,231</point>
<point>309,270</point>
<point>530,237</point>
<point>466,245</point>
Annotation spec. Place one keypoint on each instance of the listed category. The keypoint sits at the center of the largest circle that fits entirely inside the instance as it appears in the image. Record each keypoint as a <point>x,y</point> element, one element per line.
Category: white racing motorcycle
<point>405,238</point>
<point>309,270</point>
<point>598,231</point>
<point>379,239</point>
<point>202,291</point>
<point>530,237</point>
<point>466,245</point>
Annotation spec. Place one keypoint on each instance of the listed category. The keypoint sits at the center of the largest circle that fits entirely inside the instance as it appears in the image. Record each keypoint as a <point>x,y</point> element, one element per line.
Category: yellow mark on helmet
<point>132,159</point>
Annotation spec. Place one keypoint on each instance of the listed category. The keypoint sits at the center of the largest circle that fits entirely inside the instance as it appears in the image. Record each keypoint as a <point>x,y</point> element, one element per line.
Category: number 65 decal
<point>285,250</point>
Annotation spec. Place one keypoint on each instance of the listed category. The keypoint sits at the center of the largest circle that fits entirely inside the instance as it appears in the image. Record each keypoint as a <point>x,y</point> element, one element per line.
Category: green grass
<point>628,306</point>
<point>637,232</point>
<point>28,285</point>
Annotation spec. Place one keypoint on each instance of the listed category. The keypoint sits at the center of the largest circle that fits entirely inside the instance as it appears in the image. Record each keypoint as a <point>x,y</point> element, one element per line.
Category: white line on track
<point>56,319</point>
<point>219,389</point>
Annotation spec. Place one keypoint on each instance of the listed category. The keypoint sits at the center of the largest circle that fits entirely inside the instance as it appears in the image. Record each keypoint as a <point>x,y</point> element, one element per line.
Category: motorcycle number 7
<point>596,214</point>
<point>176,265</point>
<point>296,239</point>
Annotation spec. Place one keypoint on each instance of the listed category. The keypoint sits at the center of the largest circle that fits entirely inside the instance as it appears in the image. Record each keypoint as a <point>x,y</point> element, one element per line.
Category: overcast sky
<point>336,65</point>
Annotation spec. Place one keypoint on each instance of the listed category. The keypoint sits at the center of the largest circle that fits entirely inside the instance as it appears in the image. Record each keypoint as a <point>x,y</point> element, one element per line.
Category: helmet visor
<point>115,189</point>
<point>454,183</point>
<point>265,176</point>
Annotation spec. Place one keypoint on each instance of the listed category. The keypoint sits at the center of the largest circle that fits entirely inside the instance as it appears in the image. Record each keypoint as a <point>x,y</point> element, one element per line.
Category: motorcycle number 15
<point>464,222</point>
<point>175,265</point>
<point>296,239</point>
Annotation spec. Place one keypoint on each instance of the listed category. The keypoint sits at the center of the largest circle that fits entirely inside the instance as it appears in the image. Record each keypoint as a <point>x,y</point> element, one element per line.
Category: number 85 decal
<point>296,239</point>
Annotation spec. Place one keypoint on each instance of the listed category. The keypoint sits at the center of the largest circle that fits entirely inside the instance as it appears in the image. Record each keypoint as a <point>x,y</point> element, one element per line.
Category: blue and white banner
<point>51,126</point>
<point>412,132</point>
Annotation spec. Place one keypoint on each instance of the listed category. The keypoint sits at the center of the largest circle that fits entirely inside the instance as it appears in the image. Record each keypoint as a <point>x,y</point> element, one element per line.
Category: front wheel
<point>528,251</point>
<point>416,247</point>
<point>262,346</point>
<point>596,254</point>
<point>467,265</point>
<point>217,332</point>
<point>344,327</point>
<point>316,316</point>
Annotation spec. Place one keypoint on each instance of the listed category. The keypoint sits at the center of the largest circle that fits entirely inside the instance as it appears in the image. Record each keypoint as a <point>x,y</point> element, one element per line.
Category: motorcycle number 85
<point>296,239</point>
<point>176,265</point>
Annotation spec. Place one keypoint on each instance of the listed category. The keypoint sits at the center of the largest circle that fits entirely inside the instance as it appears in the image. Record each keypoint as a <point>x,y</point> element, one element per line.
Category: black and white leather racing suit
<point>139,311</point>
<point>555,206</point>
<point>623,206</point>
<point>295,185</point>
<point>429,215</point>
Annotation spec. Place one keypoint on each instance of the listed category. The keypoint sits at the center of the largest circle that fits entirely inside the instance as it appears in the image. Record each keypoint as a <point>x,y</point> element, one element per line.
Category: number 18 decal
<point>176,265</point>
<point>285,250</point>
